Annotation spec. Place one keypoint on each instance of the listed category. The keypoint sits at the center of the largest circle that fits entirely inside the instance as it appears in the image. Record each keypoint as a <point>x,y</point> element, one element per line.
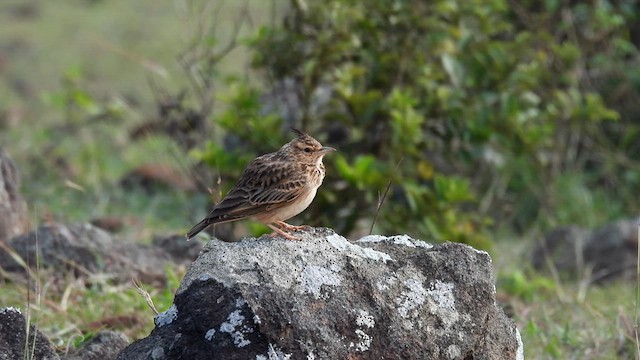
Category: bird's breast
<point>291,209</point>
<point>317,174</point>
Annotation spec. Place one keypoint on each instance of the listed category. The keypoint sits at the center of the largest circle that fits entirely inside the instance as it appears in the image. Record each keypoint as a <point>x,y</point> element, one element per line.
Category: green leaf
<point>454,69</point>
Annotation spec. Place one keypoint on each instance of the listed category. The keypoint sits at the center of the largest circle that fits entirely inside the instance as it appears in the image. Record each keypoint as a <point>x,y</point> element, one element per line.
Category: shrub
<point>467,110</point>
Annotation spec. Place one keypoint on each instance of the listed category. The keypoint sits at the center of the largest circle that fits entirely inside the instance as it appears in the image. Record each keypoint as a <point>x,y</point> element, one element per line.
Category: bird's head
<point>305,148</point>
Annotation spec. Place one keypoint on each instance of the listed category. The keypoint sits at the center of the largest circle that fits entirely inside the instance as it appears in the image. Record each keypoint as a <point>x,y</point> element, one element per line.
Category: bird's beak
<point>327,149</point>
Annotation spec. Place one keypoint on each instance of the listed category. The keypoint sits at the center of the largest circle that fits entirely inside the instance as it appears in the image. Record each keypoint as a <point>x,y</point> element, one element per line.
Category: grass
<point>567,327</point>
<point>94,53</point>
<point>99,55</point>
<point>103,49</point>
<point>564,319</point>
<point>69,310</point>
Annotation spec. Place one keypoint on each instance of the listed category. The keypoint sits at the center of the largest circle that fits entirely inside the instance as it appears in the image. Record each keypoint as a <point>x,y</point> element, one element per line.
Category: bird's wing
<point>265,185</point>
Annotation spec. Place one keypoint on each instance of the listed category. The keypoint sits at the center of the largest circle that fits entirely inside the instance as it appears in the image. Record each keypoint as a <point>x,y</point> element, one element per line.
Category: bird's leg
<point>290,227</point>
<point>278,231</point>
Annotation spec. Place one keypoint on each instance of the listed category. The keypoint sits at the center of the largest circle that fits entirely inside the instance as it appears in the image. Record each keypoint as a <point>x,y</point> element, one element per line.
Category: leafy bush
<point>468,110</point>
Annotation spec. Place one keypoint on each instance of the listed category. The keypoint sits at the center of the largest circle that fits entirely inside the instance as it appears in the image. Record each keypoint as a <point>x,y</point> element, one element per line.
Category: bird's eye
<point>307,150</point>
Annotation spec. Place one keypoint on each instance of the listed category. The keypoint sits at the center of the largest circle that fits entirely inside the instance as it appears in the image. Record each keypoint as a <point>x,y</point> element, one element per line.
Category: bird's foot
<point>280,232</point>
<point>290,227</point>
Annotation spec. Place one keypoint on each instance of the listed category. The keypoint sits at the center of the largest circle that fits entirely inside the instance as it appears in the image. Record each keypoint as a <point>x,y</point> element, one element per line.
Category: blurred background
<point>509,125</point>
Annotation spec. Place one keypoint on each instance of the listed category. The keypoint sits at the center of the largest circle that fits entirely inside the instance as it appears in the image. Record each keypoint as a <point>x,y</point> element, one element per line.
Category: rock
<point>13,209</point>
<point>327,298</point>
<point>156,176</point>
<point>180,250</point>
<point>565,245</point>
<point>109,223</point>
<point>12,338</point>
<point>599,255</point>
<point>86,251</point>
<point>105,345</point>
<point>130,322</point>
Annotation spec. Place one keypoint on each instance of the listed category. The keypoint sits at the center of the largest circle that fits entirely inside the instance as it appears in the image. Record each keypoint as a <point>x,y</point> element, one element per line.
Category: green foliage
<point>163,299</point>
<point>363,173</point>
<point>525,287</point>
<point>82,339</point>
<point>244,107</point>
<point>78,104</point>
<point>446,100</point>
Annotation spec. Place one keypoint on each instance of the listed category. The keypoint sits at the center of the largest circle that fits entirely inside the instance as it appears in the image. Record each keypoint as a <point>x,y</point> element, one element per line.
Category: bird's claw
<point>290,227</point>
<point>282,233</point>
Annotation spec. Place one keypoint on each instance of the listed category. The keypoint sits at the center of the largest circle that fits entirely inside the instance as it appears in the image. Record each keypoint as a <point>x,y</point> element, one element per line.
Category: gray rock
<point>181,251</point>
<point>327,298</point>
<point>563,246</point>
<point>598,255</point>
<point>13,209</point>
<point>13,335</point>
<point>105,345</point>
<point>88,251</point>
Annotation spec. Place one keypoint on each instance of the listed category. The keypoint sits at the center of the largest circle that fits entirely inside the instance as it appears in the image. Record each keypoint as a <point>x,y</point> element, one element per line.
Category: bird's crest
<point>298,132</point>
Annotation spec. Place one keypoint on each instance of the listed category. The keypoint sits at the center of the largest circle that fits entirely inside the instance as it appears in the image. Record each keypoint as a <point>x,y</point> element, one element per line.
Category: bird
<point>273,187</point>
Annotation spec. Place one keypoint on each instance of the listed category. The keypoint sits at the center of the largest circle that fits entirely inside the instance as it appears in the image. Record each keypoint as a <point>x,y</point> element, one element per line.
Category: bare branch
<point>384,196</point>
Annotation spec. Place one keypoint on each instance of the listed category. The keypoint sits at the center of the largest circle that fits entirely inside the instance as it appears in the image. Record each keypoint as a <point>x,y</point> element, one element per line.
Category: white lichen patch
<point>482,252</point>
<point>10,309</point>
<point>372,238</point>
<point>453,352</point>
<point>438,296</point>
<point>313,277</point>
<point>343,244</point>
<point>405,240</point>
<point>335,267</point>
<point>157,353</point>
<point>166,317</point>
<point>411,299</point>
<point>210,334</point>
<point>386,283</point>
<point>364,341</point>
<point>364,319</point>
<point>444,302</point>
<point>442,295</point>
<point>520,351</point>
<point>237,328</point>
<point>274,353</point>
<point>205,277</point>
<point>422,244</point>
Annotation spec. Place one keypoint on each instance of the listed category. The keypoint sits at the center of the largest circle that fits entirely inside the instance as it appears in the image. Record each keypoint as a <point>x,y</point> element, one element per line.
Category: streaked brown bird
<point>274,187</point>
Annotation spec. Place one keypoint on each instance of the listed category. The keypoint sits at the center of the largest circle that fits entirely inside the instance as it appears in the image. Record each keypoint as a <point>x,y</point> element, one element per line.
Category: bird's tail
<point>199,227</point>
